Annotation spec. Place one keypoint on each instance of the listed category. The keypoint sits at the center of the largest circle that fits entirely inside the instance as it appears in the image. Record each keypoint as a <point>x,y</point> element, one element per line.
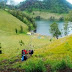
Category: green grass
<point>11,45</point>
<point>46,15</point>
<point>9,23</point>
<point>54,55</point>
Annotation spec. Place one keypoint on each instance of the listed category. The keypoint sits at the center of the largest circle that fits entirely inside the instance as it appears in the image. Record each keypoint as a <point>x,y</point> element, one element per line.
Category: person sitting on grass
<point>31,52</point>
<point>24,52</point>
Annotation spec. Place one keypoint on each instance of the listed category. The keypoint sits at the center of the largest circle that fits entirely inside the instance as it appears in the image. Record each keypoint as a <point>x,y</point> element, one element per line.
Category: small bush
<point>21,29</point>
<point>38,18</point>
<point>0,51</point>
<point>61,19</point>
<point>35,66</point>
<point>21,43</point>
<point>67,46</point>
<point>0,45</point>
<point>61,65</point>
<point>16,31</point>
<point>52,18</point>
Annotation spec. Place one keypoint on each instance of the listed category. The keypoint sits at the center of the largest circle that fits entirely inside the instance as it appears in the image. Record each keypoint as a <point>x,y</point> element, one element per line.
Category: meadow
<point>9,23</point>
<point>50,54</point>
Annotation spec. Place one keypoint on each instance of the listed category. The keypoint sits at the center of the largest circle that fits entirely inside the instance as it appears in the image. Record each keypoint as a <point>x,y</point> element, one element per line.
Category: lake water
<point>43,27</point>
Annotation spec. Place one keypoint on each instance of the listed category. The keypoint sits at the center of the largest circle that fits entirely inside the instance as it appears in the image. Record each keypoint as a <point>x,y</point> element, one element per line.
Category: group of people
<point>24,54</point>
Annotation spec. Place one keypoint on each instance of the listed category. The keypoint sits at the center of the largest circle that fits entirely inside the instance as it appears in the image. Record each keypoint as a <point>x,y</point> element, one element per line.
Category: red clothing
<point>25,51</point>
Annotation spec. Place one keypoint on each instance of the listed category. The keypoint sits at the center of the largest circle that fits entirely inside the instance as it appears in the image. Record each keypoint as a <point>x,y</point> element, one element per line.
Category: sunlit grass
<point>56,53</point>
<point>9,23</point>
<point>11,46</point>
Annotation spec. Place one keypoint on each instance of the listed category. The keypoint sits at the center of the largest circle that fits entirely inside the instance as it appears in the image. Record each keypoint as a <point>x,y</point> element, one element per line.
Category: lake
<point>43,27</point>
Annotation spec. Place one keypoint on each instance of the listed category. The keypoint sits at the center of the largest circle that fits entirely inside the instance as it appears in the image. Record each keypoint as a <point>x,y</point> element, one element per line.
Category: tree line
<point>55,6</point>
<point>24,18</point>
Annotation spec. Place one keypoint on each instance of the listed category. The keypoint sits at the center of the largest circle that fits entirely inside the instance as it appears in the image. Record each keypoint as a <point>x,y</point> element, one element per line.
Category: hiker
<point>31,52</point>
<point>24,52</point>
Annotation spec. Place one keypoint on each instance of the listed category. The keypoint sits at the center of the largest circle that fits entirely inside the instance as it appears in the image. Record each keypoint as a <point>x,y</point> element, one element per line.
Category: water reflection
<point>43,27</point>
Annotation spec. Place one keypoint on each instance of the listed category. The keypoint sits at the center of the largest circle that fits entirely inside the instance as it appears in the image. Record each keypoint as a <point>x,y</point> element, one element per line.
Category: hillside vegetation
<point>29,21</point>
<point>46,15</point>
<point>48,55</point>
<point>9,23</point>
<point>54,6</point>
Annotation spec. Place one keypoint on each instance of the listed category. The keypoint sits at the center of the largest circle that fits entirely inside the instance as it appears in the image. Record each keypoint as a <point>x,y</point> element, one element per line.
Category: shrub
<point>0,45</point>
<point>24,18</point>
<point>16,30</point>
<point>52,18</point>
<point>61,19</point>
<point>38,18</point>
<point>35,66</point>
<point>21,29</point>
<point>58,65</point>
<point>67,46</point>
<point>61,65</point>
<point>21,43</point>
<point>0,51</point>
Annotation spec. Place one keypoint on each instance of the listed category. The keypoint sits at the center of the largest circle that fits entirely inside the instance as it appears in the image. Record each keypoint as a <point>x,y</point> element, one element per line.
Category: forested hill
<point>56,6</point>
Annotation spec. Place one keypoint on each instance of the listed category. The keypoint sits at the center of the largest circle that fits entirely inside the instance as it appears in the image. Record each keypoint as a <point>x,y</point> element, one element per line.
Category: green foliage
<point>61,19</point>
<point>24,18</point>
<point>0,46</point>
<point>58,65</point>
<point>0,49</point>
<point>21,29</point>
<point>2,5</point>
<point>38,18</point>
<point>9,23</point>
<point>55,6</point>
<point>67,46</point>
<point>66,28</point>
<point>21,43</point>
<point>34,66</point>
<point>69,16</point>
<point>16,30</point>
<point>55,30</point>
<point>61,65</point>
<point>52,18</point>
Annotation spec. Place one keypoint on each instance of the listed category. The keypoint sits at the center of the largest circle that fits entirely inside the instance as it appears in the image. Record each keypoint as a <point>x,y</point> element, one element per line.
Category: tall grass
<point>36,65</point>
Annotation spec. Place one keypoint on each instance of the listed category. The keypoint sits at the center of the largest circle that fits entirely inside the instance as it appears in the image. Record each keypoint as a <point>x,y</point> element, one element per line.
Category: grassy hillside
<point>53,55</point>
<point>9,23</point>
<point>47,15</point>
<point>50,55</point>
<point>11,44</point>
<point>53,6</point>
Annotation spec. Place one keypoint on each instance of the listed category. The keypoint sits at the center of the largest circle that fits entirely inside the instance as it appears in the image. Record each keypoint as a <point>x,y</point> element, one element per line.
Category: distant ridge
<point>56,6</point>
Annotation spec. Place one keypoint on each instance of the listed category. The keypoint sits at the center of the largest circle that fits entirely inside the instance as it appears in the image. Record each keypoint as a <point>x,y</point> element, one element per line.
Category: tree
<point>55,6</point>
<point>55,30</point>
<point>69,16</point>
<point>21,29</point>
<point>0,49</point>
<point>16,30</point>
<point>66,28</point>
<point>29,21</point>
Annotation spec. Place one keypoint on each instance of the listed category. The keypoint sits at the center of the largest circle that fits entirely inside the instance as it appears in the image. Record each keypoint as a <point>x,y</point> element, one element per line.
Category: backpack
<point>22,58</point>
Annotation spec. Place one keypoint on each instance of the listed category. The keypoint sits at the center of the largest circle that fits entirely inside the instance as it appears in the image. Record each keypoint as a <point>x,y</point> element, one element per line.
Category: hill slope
<point>56,6</point>
<point>9,23</point>
<point>48,55</point>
